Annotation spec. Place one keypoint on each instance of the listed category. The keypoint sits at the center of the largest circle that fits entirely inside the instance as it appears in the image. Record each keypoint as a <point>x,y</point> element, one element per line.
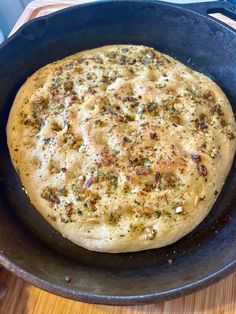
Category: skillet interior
<point>30,247</point>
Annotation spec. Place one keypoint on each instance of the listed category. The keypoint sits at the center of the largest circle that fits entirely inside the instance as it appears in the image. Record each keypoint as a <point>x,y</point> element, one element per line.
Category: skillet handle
<point>224,7</point>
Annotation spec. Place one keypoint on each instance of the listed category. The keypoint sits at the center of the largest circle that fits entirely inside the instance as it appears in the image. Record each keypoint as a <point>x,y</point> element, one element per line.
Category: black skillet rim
<point>117,300</point>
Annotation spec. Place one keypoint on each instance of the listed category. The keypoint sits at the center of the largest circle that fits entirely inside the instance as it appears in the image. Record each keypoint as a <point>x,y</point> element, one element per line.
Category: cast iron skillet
<point>30,248</point>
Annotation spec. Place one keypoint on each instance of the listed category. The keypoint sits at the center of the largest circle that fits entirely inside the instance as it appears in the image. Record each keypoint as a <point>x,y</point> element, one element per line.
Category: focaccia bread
<point>121,148</point>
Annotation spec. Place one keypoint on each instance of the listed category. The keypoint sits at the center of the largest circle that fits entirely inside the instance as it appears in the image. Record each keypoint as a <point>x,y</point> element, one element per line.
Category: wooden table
<point>22,298</point>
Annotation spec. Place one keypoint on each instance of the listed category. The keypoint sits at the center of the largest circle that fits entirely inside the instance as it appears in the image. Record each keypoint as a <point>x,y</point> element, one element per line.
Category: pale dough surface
<point>121,148</point>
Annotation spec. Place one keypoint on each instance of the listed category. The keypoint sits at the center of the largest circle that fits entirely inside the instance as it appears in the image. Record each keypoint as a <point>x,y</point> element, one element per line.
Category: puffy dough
<point>121,148</point>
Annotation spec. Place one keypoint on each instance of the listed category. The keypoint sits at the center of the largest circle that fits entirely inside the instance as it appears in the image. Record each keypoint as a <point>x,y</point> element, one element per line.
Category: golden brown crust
<point>121,148</point>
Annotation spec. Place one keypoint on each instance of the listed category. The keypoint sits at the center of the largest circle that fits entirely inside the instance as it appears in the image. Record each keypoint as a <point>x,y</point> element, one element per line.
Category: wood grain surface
<point>22,298</point>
